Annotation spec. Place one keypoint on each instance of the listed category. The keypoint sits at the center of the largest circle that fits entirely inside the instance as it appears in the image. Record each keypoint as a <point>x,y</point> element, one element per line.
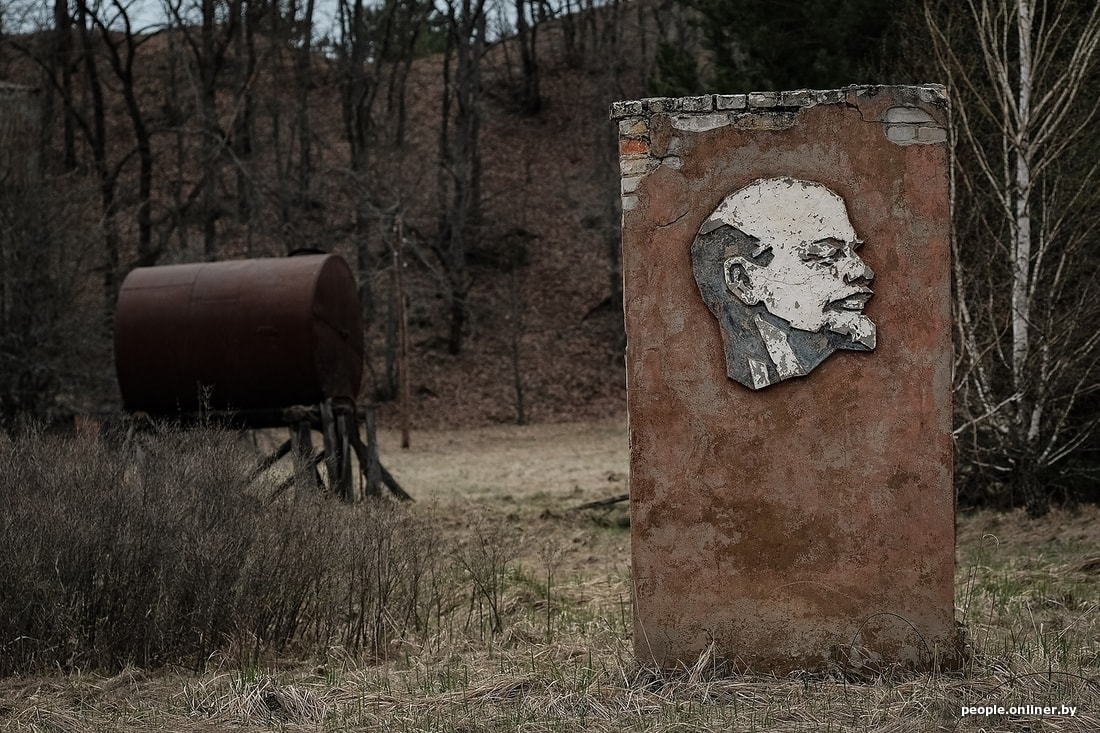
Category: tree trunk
<point>527,36</point>
<point>304,80</point>
<point>403,332</point>
<point>63,28</point>
<point>211,143</point>
<point>97,139</point>
<point>461,155</point>
<point>244,122</point>
<point>1021,255</point>
<point>122,63</point>
<point>175,121</point>
<point>358,88</point>
<point>515,339</point>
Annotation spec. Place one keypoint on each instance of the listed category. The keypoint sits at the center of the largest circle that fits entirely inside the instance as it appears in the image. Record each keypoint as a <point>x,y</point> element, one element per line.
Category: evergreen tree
<point>756,45</point>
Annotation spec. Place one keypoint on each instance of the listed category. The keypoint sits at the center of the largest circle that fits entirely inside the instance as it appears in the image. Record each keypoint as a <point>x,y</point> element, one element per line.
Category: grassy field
<point>531,630</point>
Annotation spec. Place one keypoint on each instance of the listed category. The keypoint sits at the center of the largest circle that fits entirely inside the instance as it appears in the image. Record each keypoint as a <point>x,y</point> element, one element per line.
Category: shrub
<point>160,551</point>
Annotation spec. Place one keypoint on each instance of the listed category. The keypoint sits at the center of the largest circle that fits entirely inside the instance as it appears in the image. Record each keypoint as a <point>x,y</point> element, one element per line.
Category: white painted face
<point>815,278</point>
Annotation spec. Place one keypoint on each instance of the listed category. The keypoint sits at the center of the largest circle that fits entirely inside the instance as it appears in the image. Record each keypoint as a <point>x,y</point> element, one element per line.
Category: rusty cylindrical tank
<point>256,334</point>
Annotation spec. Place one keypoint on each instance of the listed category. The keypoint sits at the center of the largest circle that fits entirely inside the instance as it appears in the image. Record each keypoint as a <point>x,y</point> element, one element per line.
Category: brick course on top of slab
<point>800,98</point>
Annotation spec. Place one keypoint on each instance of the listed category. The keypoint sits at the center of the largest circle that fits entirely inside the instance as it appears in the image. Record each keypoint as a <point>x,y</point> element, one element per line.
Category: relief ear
<point>738,273</point>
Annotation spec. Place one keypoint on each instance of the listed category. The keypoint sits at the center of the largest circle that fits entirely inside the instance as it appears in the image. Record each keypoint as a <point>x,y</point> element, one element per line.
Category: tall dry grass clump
<point>161,551</point>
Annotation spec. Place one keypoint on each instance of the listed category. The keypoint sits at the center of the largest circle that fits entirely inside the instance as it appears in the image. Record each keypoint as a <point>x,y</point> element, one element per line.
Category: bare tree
<point>121,41</point>
<point>1023,79</point>
<point>408,22</point>
<point>530,99</point>
<point>47,340</point>
<point>63,35</point>
<point>243,146</point>
<point>95,131</point>
<point>611,44</point>
<point>219,22</point>
<point>176,112</point>
<point>106,39</point>
<point>303,77</point>
<point>459,176</point>
<point>359,54</point>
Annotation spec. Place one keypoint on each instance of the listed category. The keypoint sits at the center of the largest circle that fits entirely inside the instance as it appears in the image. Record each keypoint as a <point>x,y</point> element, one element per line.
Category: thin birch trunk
<point>1021,265</point>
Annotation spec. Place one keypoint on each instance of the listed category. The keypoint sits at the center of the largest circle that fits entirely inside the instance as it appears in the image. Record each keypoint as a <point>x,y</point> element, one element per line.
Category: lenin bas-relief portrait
<point>777,265</point>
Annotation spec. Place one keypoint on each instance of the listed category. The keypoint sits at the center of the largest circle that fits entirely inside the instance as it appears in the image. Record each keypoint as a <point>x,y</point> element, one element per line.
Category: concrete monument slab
<point>787,302</point>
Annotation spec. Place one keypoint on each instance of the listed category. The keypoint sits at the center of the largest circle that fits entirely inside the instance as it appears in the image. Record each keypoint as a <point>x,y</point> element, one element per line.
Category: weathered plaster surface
<point>809,523</point>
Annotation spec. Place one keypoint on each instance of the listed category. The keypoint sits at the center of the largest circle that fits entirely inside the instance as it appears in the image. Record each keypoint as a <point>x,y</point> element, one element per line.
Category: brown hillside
<point>549,188</point>
<point>540,257</point>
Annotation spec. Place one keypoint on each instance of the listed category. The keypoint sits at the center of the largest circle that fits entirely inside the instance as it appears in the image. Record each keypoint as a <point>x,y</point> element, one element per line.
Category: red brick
<point>633,147</point>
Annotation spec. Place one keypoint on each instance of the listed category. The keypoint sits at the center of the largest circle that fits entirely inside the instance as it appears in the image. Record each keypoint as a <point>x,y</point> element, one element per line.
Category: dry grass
<point>553,464</point>
<point>536,637</point>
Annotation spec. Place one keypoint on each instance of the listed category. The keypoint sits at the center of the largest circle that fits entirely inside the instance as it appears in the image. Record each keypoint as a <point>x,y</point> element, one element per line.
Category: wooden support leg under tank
<point>301,435</point>
<point>270,461</point>
<point>339,426</point>
<point>372,468</point>
<point>328,440</point>
<point>345,425</point>
<point>336,423</point>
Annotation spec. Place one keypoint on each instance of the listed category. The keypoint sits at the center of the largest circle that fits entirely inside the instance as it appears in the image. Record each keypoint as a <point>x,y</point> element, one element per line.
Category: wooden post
<point>345,422</point>
<point>337,449</point>
<point>371,467</point>
<point>328,440</point>
<point>270,461</point>
<point>403,335</point>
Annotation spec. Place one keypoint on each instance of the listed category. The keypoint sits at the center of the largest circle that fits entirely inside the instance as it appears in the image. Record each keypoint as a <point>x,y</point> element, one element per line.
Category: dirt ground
<point>565,464</point>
